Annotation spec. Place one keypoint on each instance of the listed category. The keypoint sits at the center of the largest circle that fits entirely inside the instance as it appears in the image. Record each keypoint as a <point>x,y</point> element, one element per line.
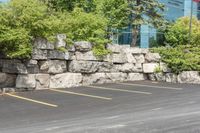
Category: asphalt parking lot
<point>129,107</point>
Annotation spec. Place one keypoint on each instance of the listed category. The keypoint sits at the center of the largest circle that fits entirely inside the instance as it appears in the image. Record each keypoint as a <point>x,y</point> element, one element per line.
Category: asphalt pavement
<point>128,107</point>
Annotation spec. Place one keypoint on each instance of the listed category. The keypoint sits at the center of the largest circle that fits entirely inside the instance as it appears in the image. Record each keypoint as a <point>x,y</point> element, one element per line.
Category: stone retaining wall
<point>53,68</point>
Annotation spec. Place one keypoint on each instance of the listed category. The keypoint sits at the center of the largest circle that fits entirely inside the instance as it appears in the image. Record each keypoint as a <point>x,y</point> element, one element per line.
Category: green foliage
<point>21,21</point>
<point>18,24</point>
<point>116,11</point>
<point>178,33</point>
<point>180,58</point>
<point>70,5</point>
<point>158,70</point>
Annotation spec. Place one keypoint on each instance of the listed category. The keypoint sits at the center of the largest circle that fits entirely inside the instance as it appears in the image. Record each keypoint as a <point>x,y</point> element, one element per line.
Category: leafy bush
<point>21,21</point>
<point>180,58</point>
<point>178,33</point>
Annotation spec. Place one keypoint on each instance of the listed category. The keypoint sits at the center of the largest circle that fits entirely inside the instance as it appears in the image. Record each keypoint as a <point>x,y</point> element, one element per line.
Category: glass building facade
<point>174,10</point>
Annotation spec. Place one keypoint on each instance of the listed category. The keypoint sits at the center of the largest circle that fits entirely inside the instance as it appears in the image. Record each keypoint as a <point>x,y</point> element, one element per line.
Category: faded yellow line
<point>122,90</point>
<point>150,86</point>
<point>31,100</point>
<point>80,94</point>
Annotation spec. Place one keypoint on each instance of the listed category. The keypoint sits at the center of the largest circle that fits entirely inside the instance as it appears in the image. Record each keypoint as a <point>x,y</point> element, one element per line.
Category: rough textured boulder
<point>151,76</point>
<point>115,48</point>
<point>160,76</point>
<point>150,67</point>
<point>171,77</point>
<point>65,80</point>
<point>129,55</point>
<point>32,66</point>
<point>98,78</point>
<point>14,67</point>
<point>189,77</point>
<point>152,57</point>
<point>86,56</point>
<point>106,67</point>
<point>84,66</point>
<point>83,46</point>
<point>26,81</point>
<point>116,58</point>
<point>53,66</point>
<point>117,76</point>
<point>38,54</point>
<point>60,41</point>
<point>129,67</point>
<point>136,77</point>
<point>42,81</point>
<point>58,55</point>
<point>41,43</point>
<point>7,80</point>
<point>135,50</point>
<point>139,58</point>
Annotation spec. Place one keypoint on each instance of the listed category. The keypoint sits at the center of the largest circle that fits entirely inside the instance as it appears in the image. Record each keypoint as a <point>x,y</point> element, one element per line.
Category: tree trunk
<point>134,36</point>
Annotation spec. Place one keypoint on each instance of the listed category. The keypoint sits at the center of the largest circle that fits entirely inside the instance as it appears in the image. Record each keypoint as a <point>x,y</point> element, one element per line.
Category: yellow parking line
<point>80,94</point>
<point>150,86</point>
<point>31,100</point>
<point>122,90</point>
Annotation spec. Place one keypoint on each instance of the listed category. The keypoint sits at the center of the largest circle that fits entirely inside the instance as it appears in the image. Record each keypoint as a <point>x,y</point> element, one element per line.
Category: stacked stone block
<point>50,67</point>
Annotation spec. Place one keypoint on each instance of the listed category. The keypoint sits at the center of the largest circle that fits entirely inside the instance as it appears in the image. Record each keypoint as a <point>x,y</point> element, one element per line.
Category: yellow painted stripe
<point>150,86</point>
<point>122,90</point>
<point>80,94</point>
<point>31,100</point>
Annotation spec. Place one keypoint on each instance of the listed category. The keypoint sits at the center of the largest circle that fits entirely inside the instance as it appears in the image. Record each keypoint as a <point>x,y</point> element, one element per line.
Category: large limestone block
<point>117,76</point>
<point>7,80</point>
<point>171,77</point>
<point>53,66</point>
<point>42,81</point>
<point>129,56</point>
<point>129,67</point>
<point>136,77</point>
<point>60,41</point>
<point>26,81</point>
<point>135,50</point>
<point>160,76</point>
<point>58,55</point>
<point>150,67</point>
<point>189,77</point>
<point>32,66</point>
<point>98,78</point>
<point>106,67</point>
<point>139,58</point>
<point>115,48</point>
<point>14,67</point>
<point>41,43</point>
<point>84,66</point>
<point>65,80</point>
<point>38,54</point>
<point>86,56</point>
<point>116,58</point>
<point>83,46</point>
<point>152,57</point>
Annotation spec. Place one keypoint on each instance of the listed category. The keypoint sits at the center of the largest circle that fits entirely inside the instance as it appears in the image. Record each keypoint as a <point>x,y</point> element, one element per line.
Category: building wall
<point>174,10</point>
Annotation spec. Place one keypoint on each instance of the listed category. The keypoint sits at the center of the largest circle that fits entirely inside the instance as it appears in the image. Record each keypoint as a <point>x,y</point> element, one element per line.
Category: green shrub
<point>21,21</point>
<point>178,33</point>
<point>180,58</point>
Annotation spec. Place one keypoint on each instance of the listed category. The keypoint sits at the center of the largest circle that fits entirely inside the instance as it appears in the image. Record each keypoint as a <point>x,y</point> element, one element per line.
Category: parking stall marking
<point>31,100</point>
<point>121,90</point>
<point>80,94</point>
<point>150,86</point>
